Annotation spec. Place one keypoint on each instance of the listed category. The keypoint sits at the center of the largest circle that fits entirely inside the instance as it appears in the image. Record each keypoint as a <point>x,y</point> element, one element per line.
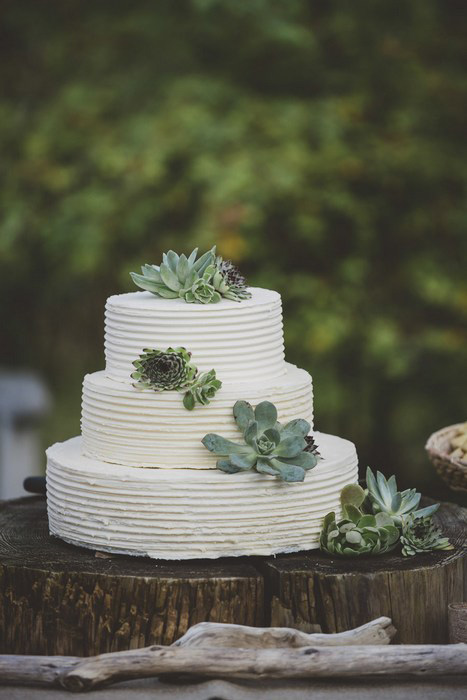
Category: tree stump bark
<point>59,599</point>
<point>414,592</point>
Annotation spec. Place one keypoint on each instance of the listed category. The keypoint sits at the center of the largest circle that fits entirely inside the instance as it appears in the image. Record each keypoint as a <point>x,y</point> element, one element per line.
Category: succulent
<point>420,534</point>
<point>357,533</point>
<point>202,390</point>
<point>269,447</point>
<point>229,281</point>
<point>203,291</point>
<point>198,281</point>
<point>163,370</point>
<point>311,445</point>
<point>383,497</point>
<point>176,275</point>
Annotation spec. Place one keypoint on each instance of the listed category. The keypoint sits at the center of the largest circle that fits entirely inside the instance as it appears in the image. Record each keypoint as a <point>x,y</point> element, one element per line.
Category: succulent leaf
<point>265,415</point>
<point>352,494</point>
<point>243,414</point>
<point>298,426</point>
<point>222,446</point>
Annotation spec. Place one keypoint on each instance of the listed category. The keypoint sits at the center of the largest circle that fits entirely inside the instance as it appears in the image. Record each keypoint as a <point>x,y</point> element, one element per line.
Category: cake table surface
<point>60,599</point>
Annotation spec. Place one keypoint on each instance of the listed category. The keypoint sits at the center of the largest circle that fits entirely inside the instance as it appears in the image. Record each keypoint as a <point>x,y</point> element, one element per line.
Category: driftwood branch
<point>215,634</point>
<point>307,662</point>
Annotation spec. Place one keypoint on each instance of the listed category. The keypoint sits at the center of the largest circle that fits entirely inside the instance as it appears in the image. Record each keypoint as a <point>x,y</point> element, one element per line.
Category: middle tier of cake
<point>143,428</point>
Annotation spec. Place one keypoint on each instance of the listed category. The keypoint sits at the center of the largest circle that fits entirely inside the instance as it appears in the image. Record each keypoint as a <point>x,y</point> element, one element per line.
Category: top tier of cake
<point>241,341</point>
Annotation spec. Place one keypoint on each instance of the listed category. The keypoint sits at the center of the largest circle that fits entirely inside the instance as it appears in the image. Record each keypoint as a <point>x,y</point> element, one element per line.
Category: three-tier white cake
<point>139,481</point>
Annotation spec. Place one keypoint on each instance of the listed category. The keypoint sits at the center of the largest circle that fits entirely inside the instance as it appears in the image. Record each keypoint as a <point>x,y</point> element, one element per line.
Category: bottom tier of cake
<point>191,513</point>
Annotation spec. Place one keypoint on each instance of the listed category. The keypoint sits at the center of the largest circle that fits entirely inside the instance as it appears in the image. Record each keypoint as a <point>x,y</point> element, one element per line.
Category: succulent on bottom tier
<point>269,448</point>
<point>420,534</point>
<point>357,533</point>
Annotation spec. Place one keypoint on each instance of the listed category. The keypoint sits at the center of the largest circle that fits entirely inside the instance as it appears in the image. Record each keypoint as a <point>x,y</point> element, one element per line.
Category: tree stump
<point>414,592</point>
<point>59,599</point>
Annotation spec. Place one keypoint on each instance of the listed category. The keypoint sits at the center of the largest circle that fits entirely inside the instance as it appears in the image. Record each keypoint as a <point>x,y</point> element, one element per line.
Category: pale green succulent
<point>269,447</point>
<point>357,533</point>
<point>383,497</point>
<point>176,275</point>
<point>164,370</point>
<point>420,534</point>
<point>205,280</point>
<point>203,291</point>
<point>202,390</point>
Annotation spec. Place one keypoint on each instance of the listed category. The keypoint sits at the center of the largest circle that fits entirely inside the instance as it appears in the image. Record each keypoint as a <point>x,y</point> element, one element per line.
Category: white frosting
<point>240,340</point>
<point>144,428</point>
<point>188,513</point>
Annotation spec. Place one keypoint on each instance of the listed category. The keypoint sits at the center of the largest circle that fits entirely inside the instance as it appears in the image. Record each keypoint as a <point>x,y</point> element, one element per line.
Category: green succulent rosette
<point>269,447</point>
<point>382,496</point>
<point>202,390</point>
<point>173,370</point>
<point>357,533</point>
<point>164,370</point>
<point>203,280</point>
<point>420,534</point>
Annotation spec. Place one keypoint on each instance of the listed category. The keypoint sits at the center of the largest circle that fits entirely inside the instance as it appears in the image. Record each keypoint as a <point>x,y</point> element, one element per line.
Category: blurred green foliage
<point>320,144</point>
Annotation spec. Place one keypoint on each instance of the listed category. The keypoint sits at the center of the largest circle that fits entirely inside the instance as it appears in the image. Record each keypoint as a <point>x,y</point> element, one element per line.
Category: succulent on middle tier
<point>163,370</point>
<point>269,447</point>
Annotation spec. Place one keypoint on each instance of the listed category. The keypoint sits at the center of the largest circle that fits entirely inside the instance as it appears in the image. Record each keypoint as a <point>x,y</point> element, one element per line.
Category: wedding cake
<point>197,438</point>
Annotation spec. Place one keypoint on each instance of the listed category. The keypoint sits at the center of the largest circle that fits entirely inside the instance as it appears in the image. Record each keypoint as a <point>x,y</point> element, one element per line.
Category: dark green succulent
<point>176,275</point>
<point>229,281</point>
<point>357,533</point>
<point>383,497</point>
<point>420,534</point>
<point>202,390</point>
<point>164,370</point>
<point>269,447</point>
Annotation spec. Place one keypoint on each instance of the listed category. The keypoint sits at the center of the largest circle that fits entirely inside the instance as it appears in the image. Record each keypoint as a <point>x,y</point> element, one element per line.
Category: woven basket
<point>452,471</point>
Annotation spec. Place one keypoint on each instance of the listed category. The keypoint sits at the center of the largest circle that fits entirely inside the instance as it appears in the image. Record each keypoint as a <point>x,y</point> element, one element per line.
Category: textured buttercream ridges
<point>183,514</point>
<point>240,340</point>
<point>143,428</point>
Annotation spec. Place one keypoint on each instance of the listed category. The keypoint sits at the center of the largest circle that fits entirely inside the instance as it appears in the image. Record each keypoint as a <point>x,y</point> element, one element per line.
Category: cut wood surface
<point>81,675</point>
<point>60,599</point>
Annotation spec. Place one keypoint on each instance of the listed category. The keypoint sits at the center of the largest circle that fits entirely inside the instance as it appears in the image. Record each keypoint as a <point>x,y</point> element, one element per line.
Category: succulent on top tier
<point>203,280</point>
<point>383,497</point>
<point>269,447</point>
<point>420,534</point>
<point>164,370</point>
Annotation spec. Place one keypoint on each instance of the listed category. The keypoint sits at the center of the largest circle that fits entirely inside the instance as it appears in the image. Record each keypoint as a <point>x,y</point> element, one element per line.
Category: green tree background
<point>320,144</point>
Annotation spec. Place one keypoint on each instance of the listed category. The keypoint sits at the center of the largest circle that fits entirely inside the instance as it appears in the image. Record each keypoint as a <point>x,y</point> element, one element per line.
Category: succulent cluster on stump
<point>172,369</point>
<point>356,532</point>
<point>378,518</point>
<point>203,280</point>
<point>269,447</point>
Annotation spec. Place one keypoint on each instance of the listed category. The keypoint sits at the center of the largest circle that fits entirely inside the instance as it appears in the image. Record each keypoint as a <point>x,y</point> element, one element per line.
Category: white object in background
<point>24,401</point>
